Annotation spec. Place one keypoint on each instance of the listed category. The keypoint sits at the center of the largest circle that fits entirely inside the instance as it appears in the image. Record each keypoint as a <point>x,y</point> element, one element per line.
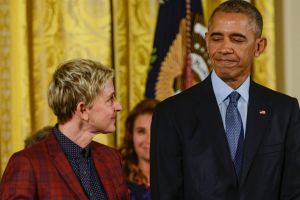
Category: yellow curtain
<point>134,26</point>
<point>15,110</point>
<point>208,7</point>
<point>264,71</point>
<point>38,35</point>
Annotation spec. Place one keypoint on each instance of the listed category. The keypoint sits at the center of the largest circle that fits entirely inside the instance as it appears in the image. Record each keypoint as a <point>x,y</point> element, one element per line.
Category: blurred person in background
<point>136,149</point>
<point>38,136</point>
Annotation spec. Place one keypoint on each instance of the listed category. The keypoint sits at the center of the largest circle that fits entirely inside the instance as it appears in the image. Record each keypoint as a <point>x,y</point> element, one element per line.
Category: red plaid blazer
<point>43,172</point>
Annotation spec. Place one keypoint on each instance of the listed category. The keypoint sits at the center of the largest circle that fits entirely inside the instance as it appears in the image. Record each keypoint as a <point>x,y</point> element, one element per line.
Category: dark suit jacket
<point>43,172</point>
<point>190,156</point>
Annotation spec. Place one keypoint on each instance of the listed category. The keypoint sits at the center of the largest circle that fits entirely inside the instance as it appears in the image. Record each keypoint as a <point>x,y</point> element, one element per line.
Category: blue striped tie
<point>234,131</point>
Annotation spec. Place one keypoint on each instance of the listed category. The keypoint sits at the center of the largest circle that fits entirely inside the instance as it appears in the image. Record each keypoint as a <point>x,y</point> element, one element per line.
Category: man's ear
<point>206,39</point>
<point>261,45</point>
<point>82,111</point>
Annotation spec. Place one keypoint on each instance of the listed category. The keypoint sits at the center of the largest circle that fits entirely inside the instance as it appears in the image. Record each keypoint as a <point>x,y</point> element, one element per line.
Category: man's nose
<point>225,47</point>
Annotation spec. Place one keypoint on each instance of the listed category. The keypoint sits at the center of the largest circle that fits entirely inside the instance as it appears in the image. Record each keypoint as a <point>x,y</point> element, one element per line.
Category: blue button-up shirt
<point>222,90</point>
<point>83,166</point>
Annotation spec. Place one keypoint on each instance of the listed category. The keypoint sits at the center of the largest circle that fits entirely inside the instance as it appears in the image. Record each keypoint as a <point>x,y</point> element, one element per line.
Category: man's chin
<point>223,74</point>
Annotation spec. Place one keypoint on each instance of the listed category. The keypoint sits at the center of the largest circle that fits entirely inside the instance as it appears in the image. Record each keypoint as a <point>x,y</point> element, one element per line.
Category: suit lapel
<point>64,168</point>
<point>220,141</point>
<point>104,170</point>
<point>214,125</point>
<point>257,121</point>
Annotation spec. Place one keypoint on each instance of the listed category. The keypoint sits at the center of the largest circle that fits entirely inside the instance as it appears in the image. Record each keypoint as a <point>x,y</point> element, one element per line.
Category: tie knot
<point>234,97</point>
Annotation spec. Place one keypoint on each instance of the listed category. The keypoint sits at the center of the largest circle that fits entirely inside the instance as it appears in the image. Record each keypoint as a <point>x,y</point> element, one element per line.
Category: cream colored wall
<point>291,47</point>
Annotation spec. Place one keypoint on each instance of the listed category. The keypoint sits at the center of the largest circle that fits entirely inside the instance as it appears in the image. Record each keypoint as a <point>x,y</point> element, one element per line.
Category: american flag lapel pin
<point>262,112</point>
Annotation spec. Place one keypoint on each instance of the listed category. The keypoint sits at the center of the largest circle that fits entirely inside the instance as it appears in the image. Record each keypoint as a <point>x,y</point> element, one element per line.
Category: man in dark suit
<point>68,164</point>
<point>227,138</point>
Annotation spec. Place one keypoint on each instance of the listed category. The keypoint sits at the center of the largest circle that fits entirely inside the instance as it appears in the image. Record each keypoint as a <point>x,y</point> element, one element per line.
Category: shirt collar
<point>222,90</point>
<point>71,149</point>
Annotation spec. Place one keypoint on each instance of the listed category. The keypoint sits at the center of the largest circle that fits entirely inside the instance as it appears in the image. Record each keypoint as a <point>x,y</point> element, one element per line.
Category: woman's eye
<point>140,131</point>
<point>111,99</point>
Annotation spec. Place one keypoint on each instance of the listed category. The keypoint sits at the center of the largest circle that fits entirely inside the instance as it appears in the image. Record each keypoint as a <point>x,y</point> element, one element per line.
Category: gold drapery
<point>133,40</point>
<point>264,70</point>
<point>37,35</point>
<point>15,118</point>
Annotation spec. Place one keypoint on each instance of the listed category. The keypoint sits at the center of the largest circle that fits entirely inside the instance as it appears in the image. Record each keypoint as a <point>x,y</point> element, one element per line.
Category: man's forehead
<point>230,16</point>
<point>223,22</point>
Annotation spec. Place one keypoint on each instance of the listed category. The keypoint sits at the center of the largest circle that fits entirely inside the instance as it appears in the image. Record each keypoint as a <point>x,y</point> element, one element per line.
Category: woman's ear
<point>82,111</point>
<point>261,45</point>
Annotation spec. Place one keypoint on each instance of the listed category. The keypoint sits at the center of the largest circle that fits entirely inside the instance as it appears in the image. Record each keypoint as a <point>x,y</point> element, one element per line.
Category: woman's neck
<point>145,168</point>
